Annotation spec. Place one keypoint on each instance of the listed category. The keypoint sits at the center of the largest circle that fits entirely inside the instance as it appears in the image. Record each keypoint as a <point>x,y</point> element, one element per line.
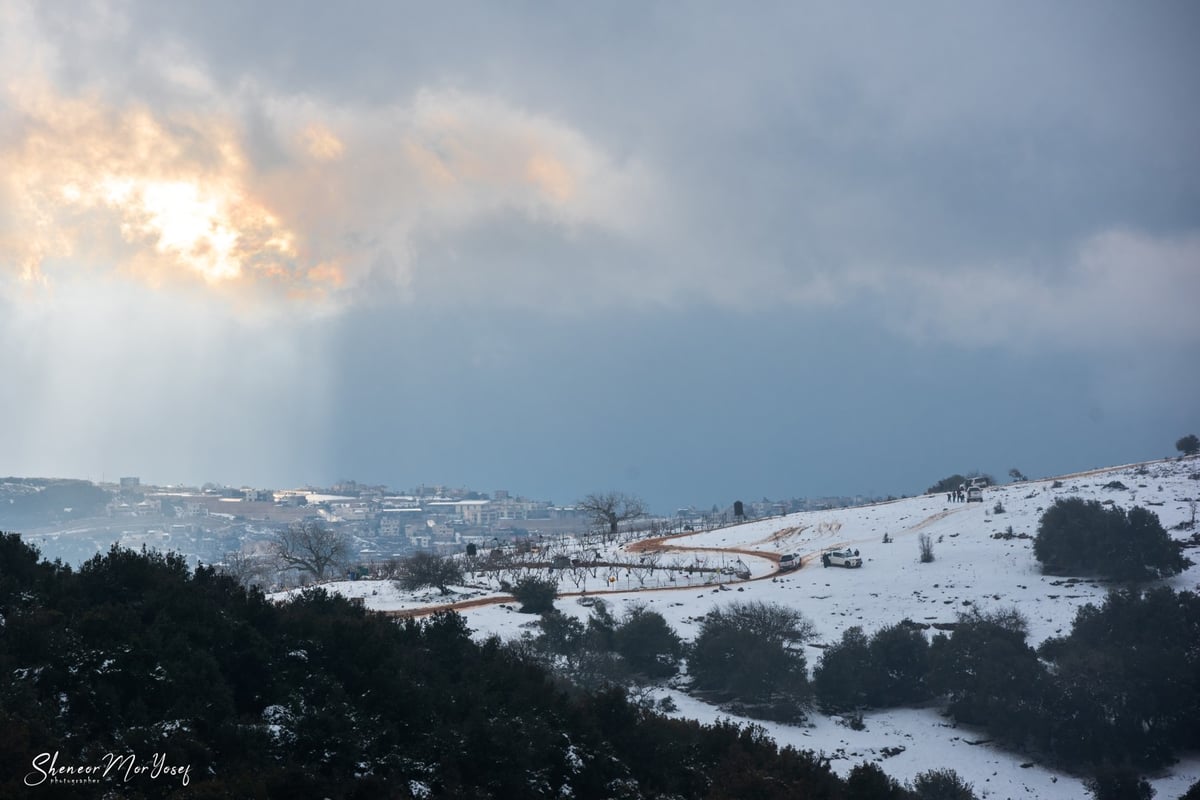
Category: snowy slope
<point>971,567</point>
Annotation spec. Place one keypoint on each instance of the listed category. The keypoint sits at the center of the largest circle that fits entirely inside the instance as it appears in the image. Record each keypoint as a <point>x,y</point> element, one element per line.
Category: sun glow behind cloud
<point>185,197</point>
<point>168,199</point>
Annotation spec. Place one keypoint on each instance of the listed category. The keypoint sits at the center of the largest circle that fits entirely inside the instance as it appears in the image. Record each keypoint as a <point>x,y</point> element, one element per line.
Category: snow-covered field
<point>976,564</point>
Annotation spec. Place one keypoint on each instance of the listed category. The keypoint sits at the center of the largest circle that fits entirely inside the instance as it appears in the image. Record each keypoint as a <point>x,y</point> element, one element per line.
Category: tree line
<point>135,653</point>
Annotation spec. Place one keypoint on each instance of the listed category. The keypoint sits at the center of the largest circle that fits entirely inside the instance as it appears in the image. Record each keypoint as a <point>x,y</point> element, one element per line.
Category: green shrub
<point>840,679</point>
<point>949,484</point>
<point>1127,680</point>
<point>889,669</point>
<point>942,784</point>
<point>536,595</point>
<point>1086,537</point>
<point>1119,783</point>
<point>899,667</point>
<point>990,676</point>
<point>745,652</point>
<point>648,644</point>
<point>868,781</point>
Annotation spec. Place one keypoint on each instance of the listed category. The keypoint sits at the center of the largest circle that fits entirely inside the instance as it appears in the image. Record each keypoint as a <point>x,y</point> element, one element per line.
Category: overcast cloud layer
<point>688,252</point>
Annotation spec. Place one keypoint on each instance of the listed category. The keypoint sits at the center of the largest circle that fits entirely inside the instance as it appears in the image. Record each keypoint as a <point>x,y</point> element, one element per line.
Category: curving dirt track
<point>660,544</point>
<point>656,544</point>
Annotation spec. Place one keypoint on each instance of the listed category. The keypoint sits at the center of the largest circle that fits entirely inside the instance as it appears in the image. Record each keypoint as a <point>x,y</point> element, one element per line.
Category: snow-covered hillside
<point>983,557</point>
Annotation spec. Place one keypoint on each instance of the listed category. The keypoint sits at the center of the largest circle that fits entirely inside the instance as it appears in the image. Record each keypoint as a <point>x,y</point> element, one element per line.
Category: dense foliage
<point>889,669</point>
<point>640,647</point>
<point>54,500</point>
<point>1089,538</point>
<point>1122,689</point>
<point>748,653</point>
<point>1119,783</point>
<point>948,484</point>
<point>868,781</point>
<point>942,784</point>
<point>1128,679</point>
<point>319,698</point>
<point>990,676</point>
<point>536,595</point>
<point>648,644</point>
<point>1119,694</point>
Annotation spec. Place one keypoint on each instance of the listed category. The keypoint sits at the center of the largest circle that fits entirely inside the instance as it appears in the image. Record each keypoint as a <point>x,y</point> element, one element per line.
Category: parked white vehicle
<point>789,561</point>
<point>841,558</point>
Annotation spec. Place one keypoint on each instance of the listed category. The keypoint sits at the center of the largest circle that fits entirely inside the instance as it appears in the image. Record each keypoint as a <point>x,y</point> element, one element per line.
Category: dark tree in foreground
<point>610,509</point>
<point>868,781</point>
<point>136,654</point>
<point>942,784</point>
<point>428,569</point>
<point>1188,445</point>
<point>749,652</point>
<point>1127,680</point>
<point>1119,783</point>
<point>311,547</point>
<point>990,675</point>
<point>889,669</point>
<point>648,644</point>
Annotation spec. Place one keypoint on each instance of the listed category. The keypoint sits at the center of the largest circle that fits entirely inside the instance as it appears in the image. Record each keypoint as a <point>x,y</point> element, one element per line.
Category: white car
<point>789,561</point>
<point>841,558</point>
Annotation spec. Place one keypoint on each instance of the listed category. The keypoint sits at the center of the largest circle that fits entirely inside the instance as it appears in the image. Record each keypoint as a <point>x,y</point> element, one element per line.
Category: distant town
<point>73,520</point>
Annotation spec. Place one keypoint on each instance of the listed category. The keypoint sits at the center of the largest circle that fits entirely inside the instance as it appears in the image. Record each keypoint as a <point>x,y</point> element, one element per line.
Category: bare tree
<point>429,569</point>
<point>610,509</point>
<point>243,568</point>
<point>644,567</point>
<point>925,543</point>
<point>311,547</point>
<point>578,574</point>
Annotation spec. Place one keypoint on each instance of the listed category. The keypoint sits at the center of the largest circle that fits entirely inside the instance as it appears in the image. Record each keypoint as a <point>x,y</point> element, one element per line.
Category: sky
<point>683,251</point>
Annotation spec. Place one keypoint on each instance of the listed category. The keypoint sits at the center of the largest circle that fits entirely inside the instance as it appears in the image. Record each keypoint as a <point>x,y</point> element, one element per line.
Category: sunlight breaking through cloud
<point>176,197</point>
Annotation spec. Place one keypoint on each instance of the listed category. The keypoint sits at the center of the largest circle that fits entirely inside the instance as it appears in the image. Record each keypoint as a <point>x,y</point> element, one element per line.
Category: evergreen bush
<point>536,595</point>
<point>1085,537</point>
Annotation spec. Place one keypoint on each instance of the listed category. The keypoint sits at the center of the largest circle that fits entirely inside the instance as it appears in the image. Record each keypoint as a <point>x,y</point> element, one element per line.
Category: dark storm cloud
<point>563,237</point>
<point>821,149</point>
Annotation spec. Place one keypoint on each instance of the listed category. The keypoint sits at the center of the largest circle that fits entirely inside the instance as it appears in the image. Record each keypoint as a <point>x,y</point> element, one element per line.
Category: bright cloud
<point>177,196</point>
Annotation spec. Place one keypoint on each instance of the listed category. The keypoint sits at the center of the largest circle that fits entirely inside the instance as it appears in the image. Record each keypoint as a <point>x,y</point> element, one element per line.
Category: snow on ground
<point>972,567</point>
<point>387,596</point>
